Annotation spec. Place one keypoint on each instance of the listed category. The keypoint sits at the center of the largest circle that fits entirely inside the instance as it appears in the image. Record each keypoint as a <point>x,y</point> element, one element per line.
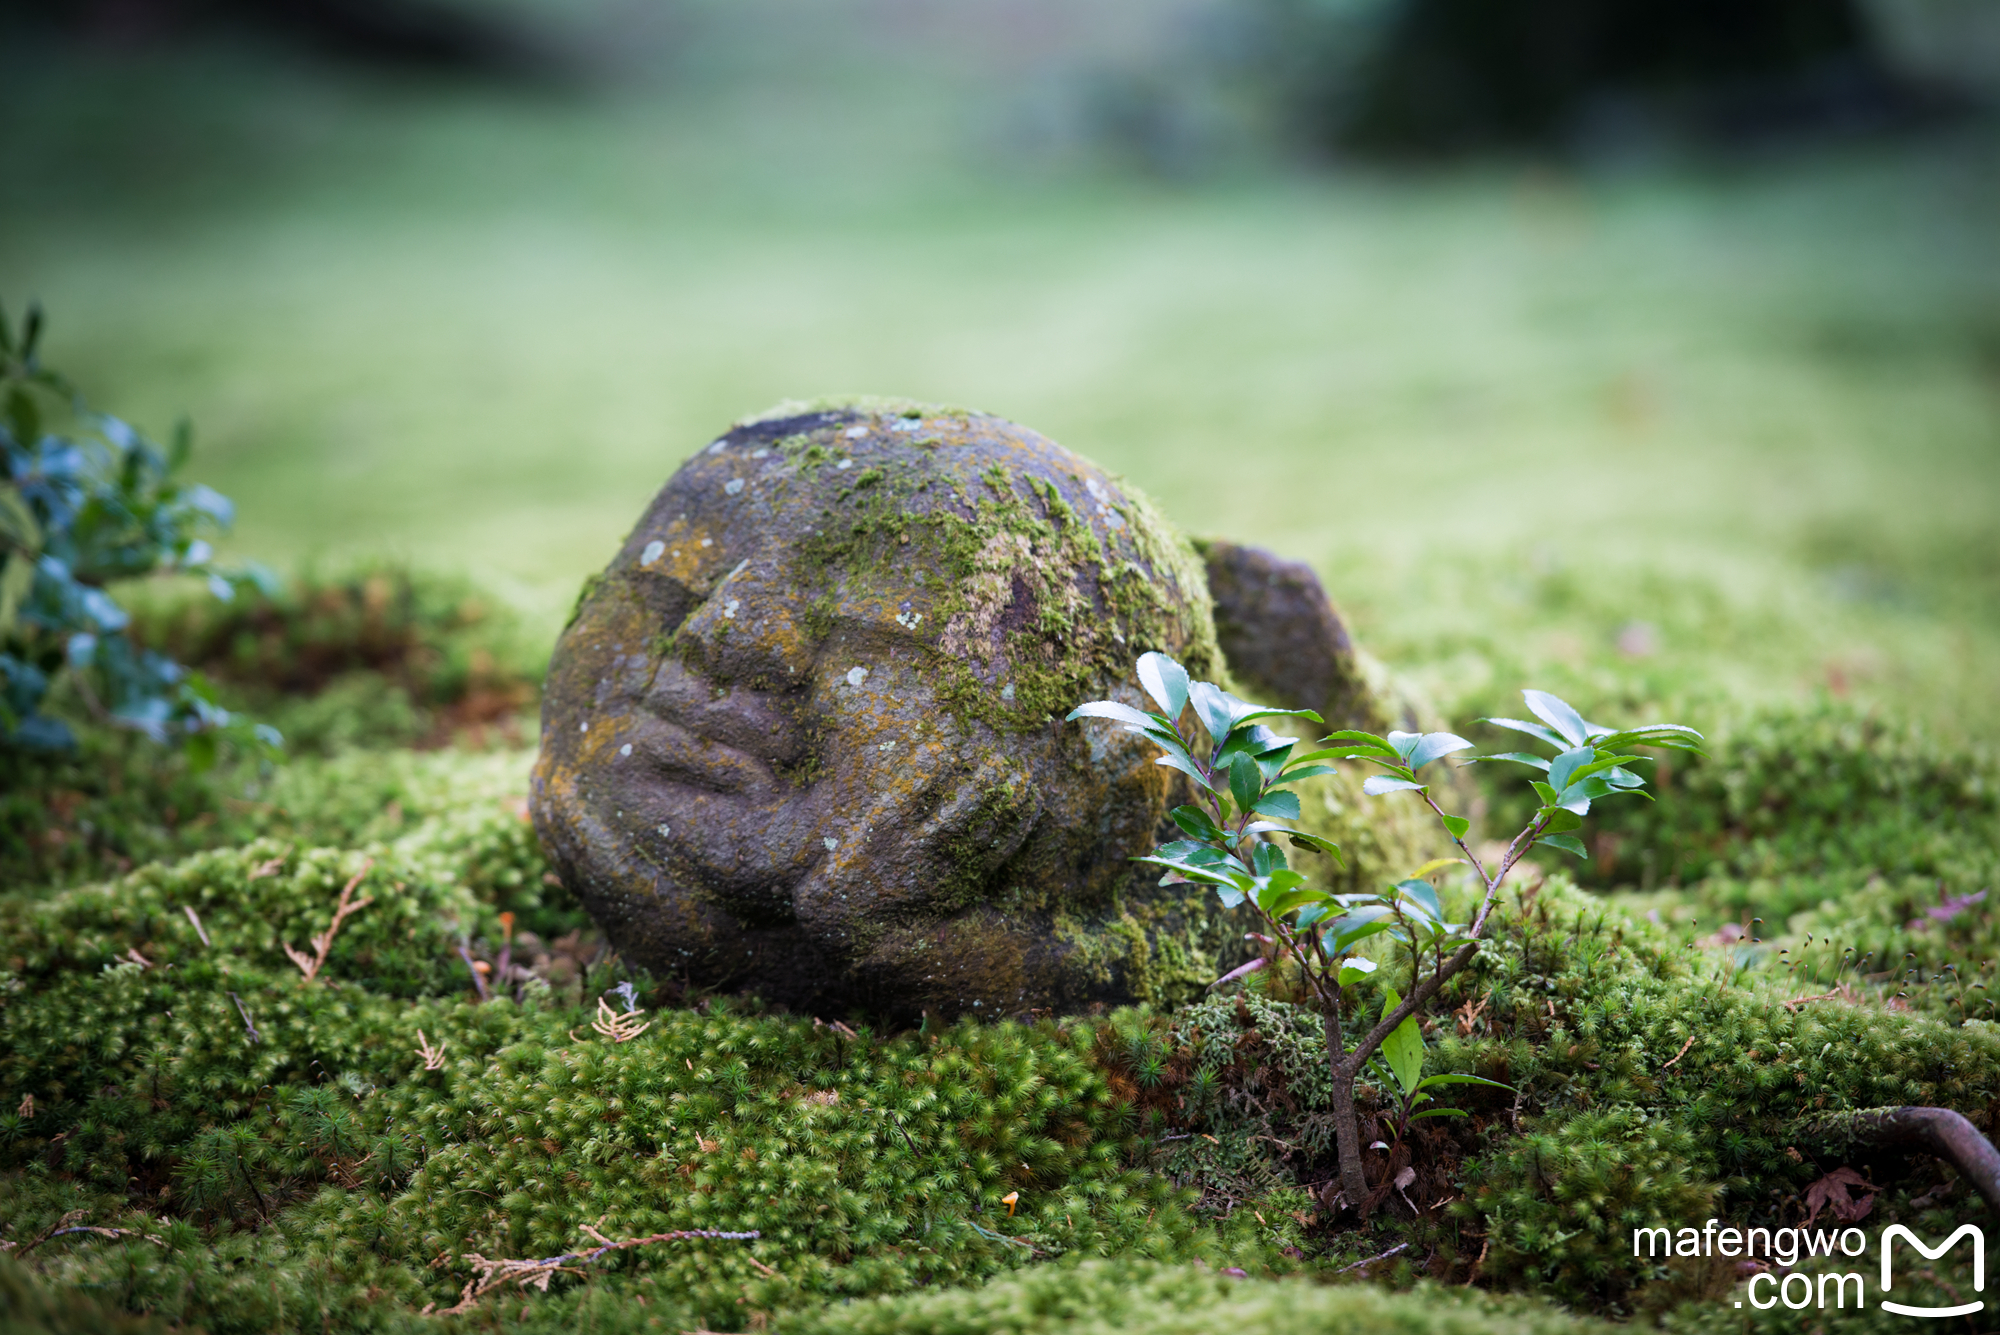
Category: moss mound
<point>1141,1298</point>
<point>195,1136</point>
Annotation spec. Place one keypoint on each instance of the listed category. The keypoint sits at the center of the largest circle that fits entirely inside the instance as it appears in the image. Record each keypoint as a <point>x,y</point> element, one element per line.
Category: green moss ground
<point>317,1176</point>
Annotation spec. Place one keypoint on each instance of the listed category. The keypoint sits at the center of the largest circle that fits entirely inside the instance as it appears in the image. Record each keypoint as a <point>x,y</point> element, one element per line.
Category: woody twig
<point>310,965</point>
<point>537,1274</point>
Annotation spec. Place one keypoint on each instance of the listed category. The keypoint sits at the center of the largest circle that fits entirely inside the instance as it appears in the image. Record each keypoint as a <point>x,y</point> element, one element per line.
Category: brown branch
<point>537,1274</point>
<point>69,1224</point>
<point>1683,1052</point>
<point>1936,1131</point>
<point>324,941</point>
<point>248,1024</point>
<point>1399,1247</point>
<point>1419,994</point>
<point>478,981</point>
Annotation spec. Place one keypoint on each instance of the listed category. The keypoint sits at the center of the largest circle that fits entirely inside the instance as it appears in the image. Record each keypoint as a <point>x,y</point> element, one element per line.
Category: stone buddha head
<point>804,735</point>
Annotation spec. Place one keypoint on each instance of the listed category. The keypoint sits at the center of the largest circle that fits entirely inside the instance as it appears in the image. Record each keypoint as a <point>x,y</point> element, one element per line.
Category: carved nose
<point>750,630</point>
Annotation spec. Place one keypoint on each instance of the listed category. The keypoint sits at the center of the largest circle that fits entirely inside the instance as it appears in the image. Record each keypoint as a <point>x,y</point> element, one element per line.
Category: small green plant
<point>1242,777</point>
<point>1401,1060</point>
<point>77,512</point>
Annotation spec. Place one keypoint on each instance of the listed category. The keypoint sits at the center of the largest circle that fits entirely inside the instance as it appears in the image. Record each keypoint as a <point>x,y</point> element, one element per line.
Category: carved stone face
<point>804,736</point>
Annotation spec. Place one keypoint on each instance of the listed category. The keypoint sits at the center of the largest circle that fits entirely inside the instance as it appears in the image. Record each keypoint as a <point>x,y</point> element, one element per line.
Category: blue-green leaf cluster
<point>79,511</point>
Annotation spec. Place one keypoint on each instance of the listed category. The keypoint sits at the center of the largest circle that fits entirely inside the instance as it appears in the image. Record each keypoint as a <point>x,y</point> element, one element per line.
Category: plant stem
<point>1344,1066</point>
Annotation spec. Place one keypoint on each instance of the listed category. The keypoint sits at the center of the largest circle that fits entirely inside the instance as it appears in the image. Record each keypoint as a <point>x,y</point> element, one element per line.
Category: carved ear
<point>1282,637</point>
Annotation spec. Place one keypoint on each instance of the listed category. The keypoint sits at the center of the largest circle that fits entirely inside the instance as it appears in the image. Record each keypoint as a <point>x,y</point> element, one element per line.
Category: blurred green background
<point>1656,393</point>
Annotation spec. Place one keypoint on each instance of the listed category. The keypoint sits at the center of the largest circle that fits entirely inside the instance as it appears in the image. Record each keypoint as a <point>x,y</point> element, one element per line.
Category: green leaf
<point>1517,757</point>
<point>1187,767</point>
<point>1674,735</point>
<point>1206,874</point>
<point>1279,905</point>
<point>1197,823</point>
<point>1334,753</point>
<point>1568,843</point>
<point>1607,762</point>
<point>1427,747</point>
<point>1579,795</point>
<point>1216,708</point>
<point>1268,858</point>
<point>1278,805</point>
<point>1166,681</point>
<point>1355,926</point>
<point>1534,730</point>
<point>1297,772</point>
<point>1257,713</point>
<point>1230,896</point>
<point>1440,1112</point>
<point>23,418</point>
<point>1279,882</point>
<point>1542,790</point>
<point>1377,784</point>
<point>1350,735</point>
<point>1558,715</point>
<point>1424,896</point>
<point>1111,709</point>
<point>1458,825</point>
<point>17,580</point>
<point>1245,782</point>
<point>1353,969</point>
<point>1251,739</point>
<point>1300,839</point>
<point>1403,1049</point>
<point>1565,766</point>
<point>1562,821</point>
<point>1457,1079</point>
<point>18,528</point>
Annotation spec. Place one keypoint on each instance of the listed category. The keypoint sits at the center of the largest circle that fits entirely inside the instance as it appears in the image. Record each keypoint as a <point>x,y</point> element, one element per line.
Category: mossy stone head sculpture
<point>803,735</point>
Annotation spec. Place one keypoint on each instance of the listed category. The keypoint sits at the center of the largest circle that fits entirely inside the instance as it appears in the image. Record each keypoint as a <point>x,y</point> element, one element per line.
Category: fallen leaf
<point>1836,1191</point>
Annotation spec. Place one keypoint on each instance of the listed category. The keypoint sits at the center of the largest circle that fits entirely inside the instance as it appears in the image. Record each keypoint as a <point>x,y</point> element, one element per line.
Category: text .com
<point>1828,1289</point>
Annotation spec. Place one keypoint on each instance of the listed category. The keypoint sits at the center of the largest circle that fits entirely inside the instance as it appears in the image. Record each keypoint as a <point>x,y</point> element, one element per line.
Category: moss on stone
<point>1001,537</point>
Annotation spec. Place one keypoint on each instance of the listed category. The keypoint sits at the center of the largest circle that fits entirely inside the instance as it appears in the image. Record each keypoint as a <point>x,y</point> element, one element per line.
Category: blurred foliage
<point>1828,799</point>
<point>77,514</point>
<point>1430,75</point>
<point>1127,1297</point>
<point>379,656</point>
<point>439,34</point>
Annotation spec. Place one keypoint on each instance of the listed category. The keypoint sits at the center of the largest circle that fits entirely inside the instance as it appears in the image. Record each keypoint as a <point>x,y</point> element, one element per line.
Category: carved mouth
<point>687,759</point>
<point>722,740</point>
